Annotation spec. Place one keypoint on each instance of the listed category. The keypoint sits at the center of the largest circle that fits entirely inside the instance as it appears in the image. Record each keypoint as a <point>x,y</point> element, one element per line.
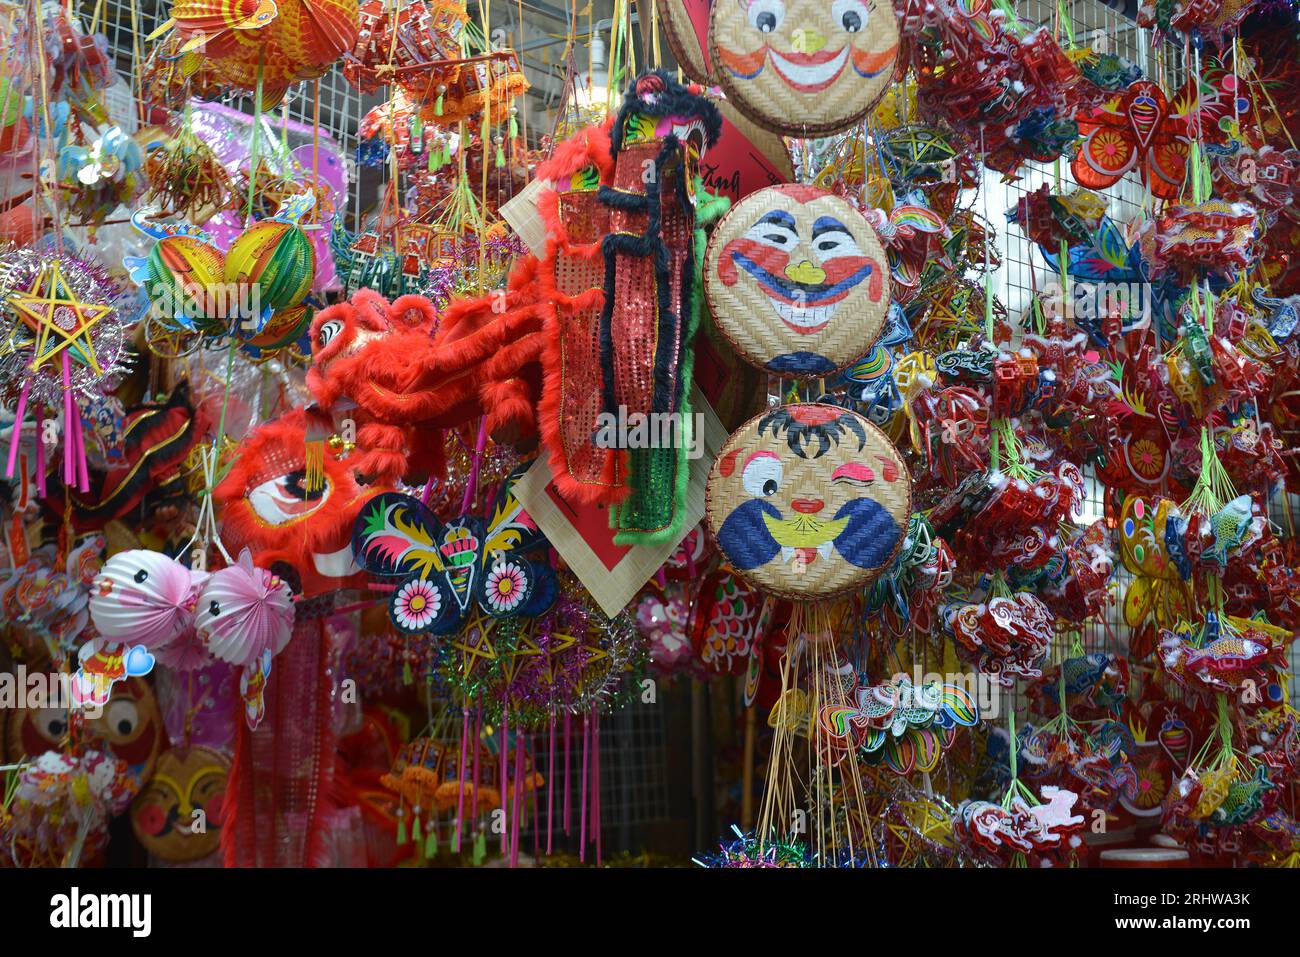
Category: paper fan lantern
<point>181,274</point>
<point>808,501</point>
<point>143,598</point>
<point>245,611</point>
<point>276,259</point>
<point>289,40</point>
<point>804,68</point>
<point>797,281</point>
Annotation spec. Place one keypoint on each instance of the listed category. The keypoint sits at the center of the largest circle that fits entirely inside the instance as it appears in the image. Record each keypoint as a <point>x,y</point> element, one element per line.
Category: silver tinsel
<point>91,283</point>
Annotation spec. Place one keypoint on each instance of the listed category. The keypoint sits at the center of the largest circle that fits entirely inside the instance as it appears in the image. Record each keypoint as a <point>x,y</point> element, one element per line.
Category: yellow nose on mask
<point>805,40</point>
<point>806,273</point>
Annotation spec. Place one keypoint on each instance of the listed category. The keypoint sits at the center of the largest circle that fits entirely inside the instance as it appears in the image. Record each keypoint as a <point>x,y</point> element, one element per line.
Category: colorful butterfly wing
<point>506,586</point>
<point>509,527</point>
<point>397,535</point>
<point>900,753</point>
<point>957,707</point>
<point>546,589</point>
<point>837,722</point>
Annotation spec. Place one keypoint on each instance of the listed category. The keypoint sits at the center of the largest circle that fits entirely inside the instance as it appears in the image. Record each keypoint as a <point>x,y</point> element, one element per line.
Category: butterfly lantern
<point>1142,130</point>
<point>1159,591</point>
<point>448,571</point>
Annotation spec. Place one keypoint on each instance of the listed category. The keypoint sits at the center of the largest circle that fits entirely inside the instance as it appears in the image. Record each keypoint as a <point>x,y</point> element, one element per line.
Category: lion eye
<point>328,331</point>
<point>141,577</point>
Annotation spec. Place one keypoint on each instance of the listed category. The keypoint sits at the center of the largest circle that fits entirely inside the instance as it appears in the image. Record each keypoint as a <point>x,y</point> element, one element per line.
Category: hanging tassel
<point>437,104</point>
<point>501,157</point>
<point>16,433</point>
<point>407,677</point>
<point>514,123</point>
<point>417,834</point>
<point>401,825</point>
<point>480,849</point>
<point>317,433</point>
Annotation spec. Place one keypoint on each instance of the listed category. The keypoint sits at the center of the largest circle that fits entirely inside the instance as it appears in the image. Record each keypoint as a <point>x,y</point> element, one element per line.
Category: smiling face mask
<point>178,814</point>
<point>797,281</point>
<point>808,501</point>
<point>804,66</point>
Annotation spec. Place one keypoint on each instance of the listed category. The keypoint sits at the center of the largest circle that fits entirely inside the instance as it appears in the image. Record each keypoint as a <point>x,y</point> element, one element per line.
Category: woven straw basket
<point>773,512</point>
<point>763,329</point>
<point>801,71</point>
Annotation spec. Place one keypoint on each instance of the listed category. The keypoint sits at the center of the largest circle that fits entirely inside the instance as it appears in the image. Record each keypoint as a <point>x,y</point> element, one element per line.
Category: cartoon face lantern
<point>804,67</point>
<point>178,814</point>
<point>797,281</point>
<point>809,501</point>
<point>129,727</point>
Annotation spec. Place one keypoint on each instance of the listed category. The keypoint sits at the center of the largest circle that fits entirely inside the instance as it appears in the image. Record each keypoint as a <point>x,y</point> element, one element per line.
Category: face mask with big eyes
<point>849,15</point>
<point>51,723</point>
<point>762,474</point>
<point>121,719</point>
<point>766,16</point>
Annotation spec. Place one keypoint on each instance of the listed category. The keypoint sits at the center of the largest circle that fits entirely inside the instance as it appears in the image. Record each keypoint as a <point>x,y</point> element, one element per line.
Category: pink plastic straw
<point>15,437</point>
<point>460,798</point>
<point>595,781</point>
<point>83,474</point>
<point>470,487</point>
<point>40,455</point>
<point>516,811</point>
<point>69,430</point>
<point>505,781</point>
<point>537,831</point>
<point>568,746</point>
<point>550,789</point>
<point>478,737</point>
<point>582,825</point>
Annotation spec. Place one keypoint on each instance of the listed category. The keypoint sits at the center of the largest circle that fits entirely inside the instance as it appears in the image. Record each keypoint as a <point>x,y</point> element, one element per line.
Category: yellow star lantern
<point>60,321</point>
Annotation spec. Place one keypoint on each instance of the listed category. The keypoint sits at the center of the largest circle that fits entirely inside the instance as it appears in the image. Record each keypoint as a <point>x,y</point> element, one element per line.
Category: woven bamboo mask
<point>797,281</point>
<point>804,67</point>
<point>809,501</point>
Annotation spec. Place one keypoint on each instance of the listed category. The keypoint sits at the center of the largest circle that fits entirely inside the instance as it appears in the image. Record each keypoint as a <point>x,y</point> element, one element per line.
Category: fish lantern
<point>808,501</point>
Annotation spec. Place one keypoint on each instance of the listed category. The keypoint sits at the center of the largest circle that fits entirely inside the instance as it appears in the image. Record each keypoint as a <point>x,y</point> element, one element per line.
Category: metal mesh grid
<point>1023,270</point>
<point>633,785</point>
